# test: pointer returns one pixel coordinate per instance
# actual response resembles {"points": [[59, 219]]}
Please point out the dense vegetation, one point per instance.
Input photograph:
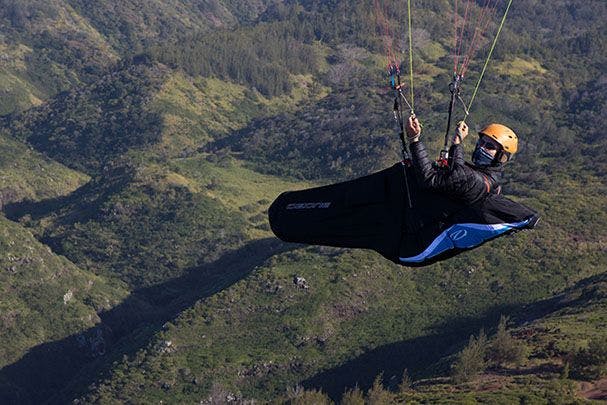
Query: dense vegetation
{"points": [[86, 128], [144, 227], [175, 109], [333, 138]]}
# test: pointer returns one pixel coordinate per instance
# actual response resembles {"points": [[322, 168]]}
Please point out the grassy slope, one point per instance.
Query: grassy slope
{"points": [[30, 68], [551, 330], [47, 47], [196, 111], [44, 297], [27, 175], [151, 208], [132, 24], [264, 334], [152, 217], [149, 229]]}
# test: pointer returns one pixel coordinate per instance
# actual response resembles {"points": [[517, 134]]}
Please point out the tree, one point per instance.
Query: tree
{"points": [[353, 397], [378, 395], [405, 383], [301, 396], [591, 362], [504, 348], [471, 360]]}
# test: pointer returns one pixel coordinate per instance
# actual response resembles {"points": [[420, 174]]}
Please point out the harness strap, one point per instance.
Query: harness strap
{"points": [[491, 185], [487, 184]]}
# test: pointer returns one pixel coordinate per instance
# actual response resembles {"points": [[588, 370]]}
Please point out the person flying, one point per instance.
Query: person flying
{"points": [[466, 182], [416, 212]]}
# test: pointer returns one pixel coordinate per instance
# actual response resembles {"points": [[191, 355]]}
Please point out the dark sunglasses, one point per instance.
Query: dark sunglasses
{"points": [[487, 143]]}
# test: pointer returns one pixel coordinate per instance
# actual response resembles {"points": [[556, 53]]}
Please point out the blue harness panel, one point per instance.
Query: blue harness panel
{"points": [[463, 236]]}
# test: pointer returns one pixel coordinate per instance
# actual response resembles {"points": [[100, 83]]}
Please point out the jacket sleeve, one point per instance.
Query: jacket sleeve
{"points": [[458, 180]]}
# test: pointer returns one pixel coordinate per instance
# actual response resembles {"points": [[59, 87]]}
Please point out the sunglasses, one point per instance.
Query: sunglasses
{"points": [[487, 144]]}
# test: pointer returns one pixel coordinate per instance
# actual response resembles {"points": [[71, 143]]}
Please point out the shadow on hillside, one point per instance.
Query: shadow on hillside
{"points": [[89, 197], [417, 354], [41, 375]]}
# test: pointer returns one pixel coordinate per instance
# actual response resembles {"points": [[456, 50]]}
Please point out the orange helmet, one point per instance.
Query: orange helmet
{"points": [[504, 136]]}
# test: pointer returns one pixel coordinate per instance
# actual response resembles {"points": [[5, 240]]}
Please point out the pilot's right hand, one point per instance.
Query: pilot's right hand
{"points": [[461, 132], [414, 129]]}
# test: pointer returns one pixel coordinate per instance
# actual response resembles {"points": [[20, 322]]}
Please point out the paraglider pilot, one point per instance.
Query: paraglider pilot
{"points": [[455, 207], [466, 182]]}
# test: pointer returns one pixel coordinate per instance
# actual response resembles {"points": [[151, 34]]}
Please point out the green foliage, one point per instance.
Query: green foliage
{"points": [[27, 175], [591, 362], [406, 382], [353, 396], [264, 56], [143, 219], [300, 396], [45, 297], [64, 51], [566, 371], [160, 21], [86, 128], [343, 135], [155, 219], [471, 360], [503, 348], [377, 394]]}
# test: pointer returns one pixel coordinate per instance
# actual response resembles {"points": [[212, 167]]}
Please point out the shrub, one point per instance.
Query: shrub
{"points": [[353, 397], [378, 395], [301, 396], [591, 362], [471, 360], [504, 348], [405, 383]]}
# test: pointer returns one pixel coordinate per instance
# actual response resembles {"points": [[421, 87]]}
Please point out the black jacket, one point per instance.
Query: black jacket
{"points": [[460, 180]]}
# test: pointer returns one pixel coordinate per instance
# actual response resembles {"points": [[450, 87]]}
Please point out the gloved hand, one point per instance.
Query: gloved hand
{"points": [[461, 132], [413, 129]]}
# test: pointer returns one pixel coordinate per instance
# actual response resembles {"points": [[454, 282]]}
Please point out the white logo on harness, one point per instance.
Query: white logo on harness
{"points": [[308, 206], [457, 235]]}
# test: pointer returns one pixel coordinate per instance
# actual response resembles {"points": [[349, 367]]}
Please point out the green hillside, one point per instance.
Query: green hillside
{"points": [[149, 205], [266, 320], [27, 175], [46, 47], [44, 297], [130, 25], [189, 118], [49, 46]]}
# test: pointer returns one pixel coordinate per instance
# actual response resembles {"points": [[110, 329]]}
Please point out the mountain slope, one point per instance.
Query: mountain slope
{"points": [[148, 206], [46, 47], [177, 210], [87, 127], [45, 297], [134, 23], [553, 331], [27, 175]]}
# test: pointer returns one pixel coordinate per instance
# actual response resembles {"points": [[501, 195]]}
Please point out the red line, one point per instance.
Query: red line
{"points": [[478, 31], [461, 36], [455, 38], [490, 11], [382, 21]]}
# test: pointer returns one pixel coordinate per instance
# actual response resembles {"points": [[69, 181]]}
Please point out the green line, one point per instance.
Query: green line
{"points": [[410, 54], [489, 56]]}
